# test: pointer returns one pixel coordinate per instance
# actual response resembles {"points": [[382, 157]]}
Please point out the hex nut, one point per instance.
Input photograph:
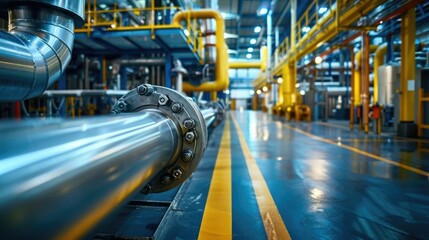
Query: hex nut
{"points": [[121, 105], [145, 90], [176, 107], [189, 123], [187, 155], [166, 179], [147, 189], [177, 173], [190, 137], [163, 100]]}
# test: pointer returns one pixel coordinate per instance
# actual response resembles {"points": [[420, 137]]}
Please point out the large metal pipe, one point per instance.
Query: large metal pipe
{"points": [[60, 178], [37, 48], [68, 175]]}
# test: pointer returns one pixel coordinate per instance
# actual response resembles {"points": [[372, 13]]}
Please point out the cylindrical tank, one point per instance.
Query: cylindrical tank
{"points": [[388, 78]]}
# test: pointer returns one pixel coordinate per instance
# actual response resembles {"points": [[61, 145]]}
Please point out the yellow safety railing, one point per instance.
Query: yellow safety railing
{"points": [[281, 51], [151, 18], [317, 10]]}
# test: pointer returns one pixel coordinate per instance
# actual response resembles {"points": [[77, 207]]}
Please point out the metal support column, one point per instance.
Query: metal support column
{"points": [[407, 126]]}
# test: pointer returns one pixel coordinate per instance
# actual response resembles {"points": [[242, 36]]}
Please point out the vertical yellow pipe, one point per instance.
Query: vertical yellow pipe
{"points": [[213, 96], [408, 66], [378, 61], [264, 57], [286, 86], [356, 74], [292, 82], [352, 88], [365, 81]]}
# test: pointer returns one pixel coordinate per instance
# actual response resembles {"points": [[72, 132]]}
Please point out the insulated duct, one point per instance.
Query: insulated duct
{"points": [[37, 48]]}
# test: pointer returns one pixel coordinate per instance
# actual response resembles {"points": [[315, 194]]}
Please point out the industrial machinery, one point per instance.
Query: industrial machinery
{"points": [[60, 178]]}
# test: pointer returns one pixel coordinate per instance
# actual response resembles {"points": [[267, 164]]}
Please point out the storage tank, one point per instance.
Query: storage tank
{"points": [[388, 82]]}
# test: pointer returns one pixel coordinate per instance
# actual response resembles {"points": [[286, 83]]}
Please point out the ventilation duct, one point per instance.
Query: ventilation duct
{"points": [[37, 48]]}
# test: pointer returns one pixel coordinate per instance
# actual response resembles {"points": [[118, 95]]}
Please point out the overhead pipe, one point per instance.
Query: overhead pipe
{"points": [[262, 64], [68, 175], [222, 79], [37, 48]]}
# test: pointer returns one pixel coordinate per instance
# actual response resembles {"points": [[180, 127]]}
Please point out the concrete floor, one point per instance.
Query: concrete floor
{"points": [[262, 177]]}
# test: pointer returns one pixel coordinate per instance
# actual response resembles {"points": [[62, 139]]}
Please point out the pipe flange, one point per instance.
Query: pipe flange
{"points": [[185, 114]]}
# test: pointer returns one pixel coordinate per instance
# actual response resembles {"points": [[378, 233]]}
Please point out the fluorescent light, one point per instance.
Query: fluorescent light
{"points": [[262, 11], [250, 49], [318, 60], [252, 41], [322, 10], [306, 29], [257, 29], [251, 92], [248, 56], [279, 80], [265, 88], [258, 91], [302, 92]]}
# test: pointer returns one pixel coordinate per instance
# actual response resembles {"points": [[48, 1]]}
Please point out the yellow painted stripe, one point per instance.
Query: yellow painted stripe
{"points": [[273, 222], [382, 134], [217, 217], [413, 169]]}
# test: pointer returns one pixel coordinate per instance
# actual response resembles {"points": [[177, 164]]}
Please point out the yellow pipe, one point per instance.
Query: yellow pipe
{"points": [[222, 79], [357, 74], [262, 64], [380, 53], [244, 65], [264, 57]]}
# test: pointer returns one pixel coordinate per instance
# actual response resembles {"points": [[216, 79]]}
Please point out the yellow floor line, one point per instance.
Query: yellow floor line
{"points": [[217, 217], [413, 169], [382, 134], [273, 222]]}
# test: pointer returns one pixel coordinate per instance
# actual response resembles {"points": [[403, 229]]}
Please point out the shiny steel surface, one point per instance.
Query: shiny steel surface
{"points": [[72, 7], [37, 48], [388, 78], [56, 174]]}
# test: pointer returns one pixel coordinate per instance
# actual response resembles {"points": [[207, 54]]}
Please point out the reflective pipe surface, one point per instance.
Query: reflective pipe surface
{"points": [[37, 48], [59, 178], [209, 115]]}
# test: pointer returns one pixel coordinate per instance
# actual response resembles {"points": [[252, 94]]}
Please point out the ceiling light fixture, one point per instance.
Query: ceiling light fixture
{"points": [[248, 56], [306, 29], [318, 60], [322, 10], [252, 41], [262, 11], [257, 29], [250, 49]]}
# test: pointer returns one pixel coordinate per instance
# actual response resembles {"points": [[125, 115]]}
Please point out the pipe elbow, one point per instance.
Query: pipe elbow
{"points": [[37, 50]]}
